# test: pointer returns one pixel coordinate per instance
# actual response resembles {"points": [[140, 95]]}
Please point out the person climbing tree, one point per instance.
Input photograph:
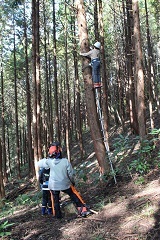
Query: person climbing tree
{"points": [[61, 179], [94, 55]]}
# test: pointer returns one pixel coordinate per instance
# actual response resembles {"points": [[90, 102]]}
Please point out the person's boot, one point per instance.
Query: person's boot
{"points": [[49, 211], [83, 211], [43, 210]]}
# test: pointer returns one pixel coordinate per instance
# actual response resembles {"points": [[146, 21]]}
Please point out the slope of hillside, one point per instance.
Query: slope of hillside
{"points": [[126, 210]]}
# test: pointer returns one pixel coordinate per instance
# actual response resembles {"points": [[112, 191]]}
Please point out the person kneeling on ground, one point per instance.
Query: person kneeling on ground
{"points": [[61, 179]]}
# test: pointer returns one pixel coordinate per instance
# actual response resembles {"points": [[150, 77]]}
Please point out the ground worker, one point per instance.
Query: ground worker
{"points": [[94, 55], [46, 195], [61, 179]]}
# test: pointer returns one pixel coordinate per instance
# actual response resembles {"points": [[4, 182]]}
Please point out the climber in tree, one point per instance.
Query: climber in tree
{"points": [[94, 55]]}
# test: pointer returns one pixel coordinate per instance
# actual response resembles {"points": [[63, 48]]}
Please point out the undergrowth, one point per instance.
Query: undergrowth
{"points": [[130, 156]]}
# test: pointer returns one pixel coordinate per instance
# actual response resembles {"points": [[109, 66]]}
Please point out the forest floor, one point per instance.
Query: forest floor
{"points": [[127, 210]]}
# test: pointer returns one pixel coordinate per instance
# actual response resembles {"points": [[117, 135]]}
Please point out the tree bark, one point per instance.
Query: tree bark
{"points": [[4, 159], [36, 83], [129, 68], [2, 191], [78, 115], [16, 110], [56, 117], [90, 99], [67, 128], [138, 71], [29, 112]]}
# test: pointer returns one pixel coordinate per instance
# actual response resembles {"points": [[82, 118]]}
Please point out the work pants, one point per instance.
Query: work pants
{"points": [[96, 70], [56, 200], [46, 199]]}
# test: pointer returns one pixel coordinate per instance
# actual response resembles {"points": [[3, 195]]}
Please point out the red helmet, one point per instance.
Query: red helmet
{"points": [[54, 151]]}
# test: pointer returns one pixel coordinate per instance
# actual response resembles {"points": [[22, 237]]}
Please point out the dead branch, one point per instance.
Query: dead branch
{"points": [[17, 191]]}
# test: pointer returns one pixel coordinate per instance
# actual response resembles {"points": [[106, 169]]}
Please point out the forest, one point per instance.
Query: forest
{"points": [[111, 135]]}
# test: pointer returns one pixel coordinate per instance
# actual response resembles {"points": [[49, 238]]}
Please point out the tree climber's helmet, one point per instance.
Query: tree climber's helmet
{"points": [[97, 45]]}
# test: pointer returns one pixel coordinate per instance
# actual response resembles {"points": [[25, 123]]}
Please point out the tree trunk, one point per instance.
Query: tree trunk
{"points": [[138, 72], [48, 119], [29, 112], [16, 110], [2, 191], [67, 92], [104, 73], [129, 68], [90, 99], [96, 31], [36, 82], [150, 72], [78, 116], [56, 117], [4, 159]]}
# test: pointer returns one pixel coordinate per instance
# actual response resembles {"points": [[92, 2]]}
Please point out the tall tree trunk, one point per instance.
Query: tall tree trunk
{"points": [[150, 73], [8, 151], [36, 82], [105, 110], [78, 116], [129, 68], [31, 169], [67, 93], [2, 190], [4, 159], [104, 72], [90, 99], [117, 87], [96, 26], [35, 139], [138, 72], [16, 109], [48, 94], [56, 117]]}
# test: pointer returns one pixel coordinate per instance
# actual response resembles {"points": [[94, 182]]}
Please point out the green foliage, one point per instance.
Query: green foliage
{"points": [[121, 144], [22, 200], [155, 131], [7, 209], [143, 159], [140, 180], [28, 200], [3, 228], [140, 166], [142, 163], [99, 237]]}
